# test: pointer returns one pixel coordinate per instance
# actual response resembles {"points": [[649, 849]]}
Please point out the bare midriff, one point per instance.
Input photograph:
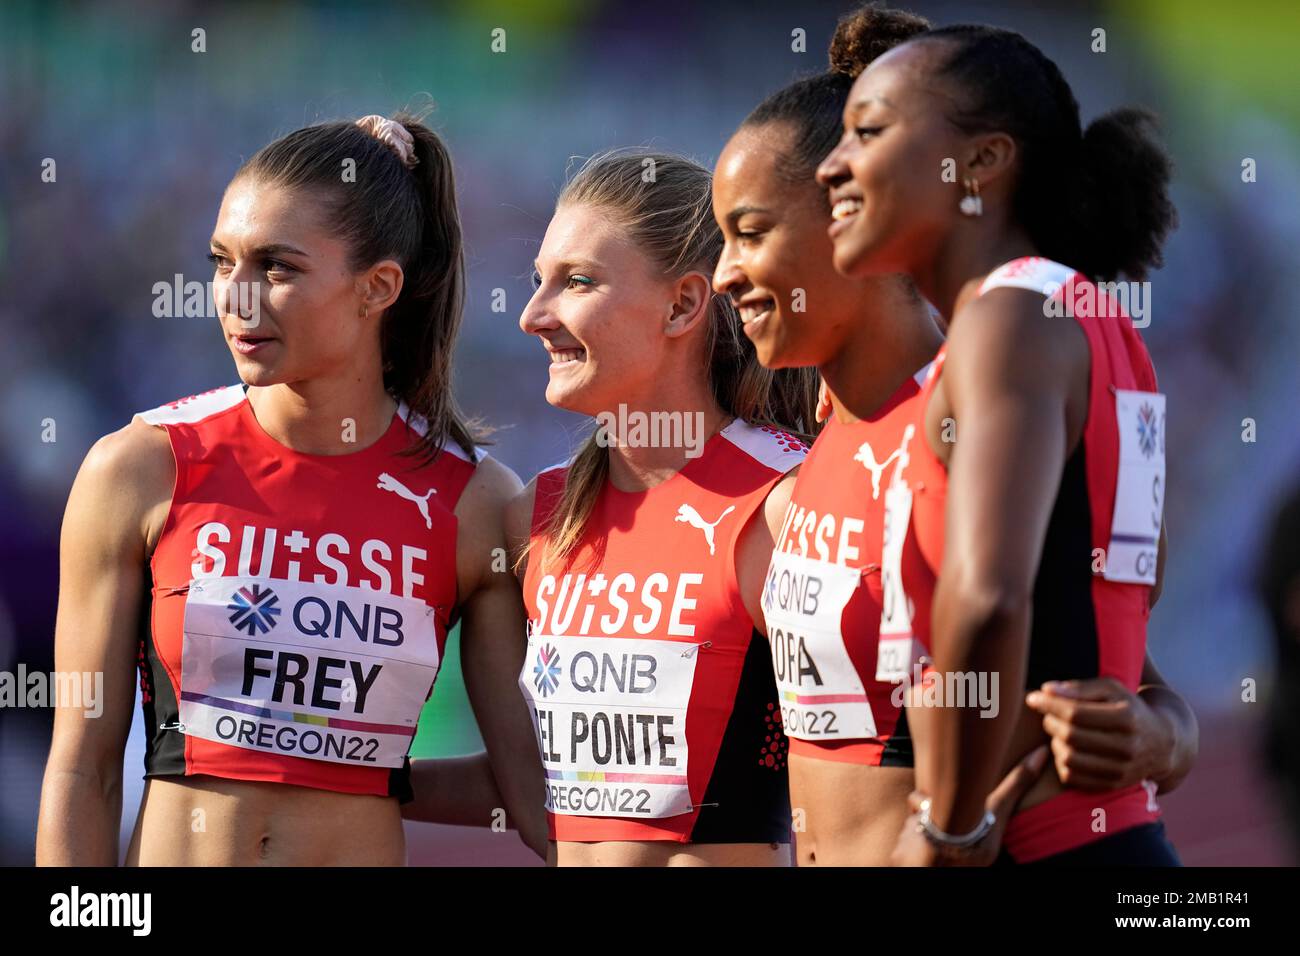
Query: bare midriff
{"points": [[212, 821]]}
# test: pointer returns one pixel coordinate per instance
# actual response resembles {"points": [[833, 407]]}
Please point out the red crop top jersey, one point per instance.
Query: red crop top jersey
{"points": [[650, 688], [823, 595], [1092, 591], [299, 603]]}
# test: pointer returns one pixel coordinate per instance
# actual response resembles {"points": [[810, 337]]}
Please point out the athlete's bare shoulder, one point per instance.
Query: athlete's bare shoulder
{"points": [[491, 488], [481, 544], [128, 474], [1011, 323], [778, 500], [519, 523], [519, 511]]}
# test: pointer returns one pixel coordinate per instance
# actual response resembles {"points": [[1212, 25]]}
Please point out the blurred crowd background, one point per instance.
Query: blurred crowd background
{"points": [[146, 133]]}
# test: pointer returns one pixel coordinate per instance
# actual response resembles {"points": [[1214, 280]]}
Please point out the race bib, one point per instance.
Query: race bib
{"points": [[1139, 488], [610, 719], [822, 697], [899, 650], [326, 672]]}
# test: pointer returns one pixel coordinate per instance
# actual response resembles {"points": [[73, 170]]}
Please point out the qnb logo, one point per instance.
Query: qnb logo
{"points": [[388, 483], [692, 517], [253, 609], [546, 671], [1148, 429]]}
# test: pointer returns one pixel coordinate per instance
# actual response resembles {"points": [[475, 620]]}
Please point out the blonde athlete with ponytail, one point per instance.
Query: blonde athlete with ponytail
{"points": [[643, 557]]}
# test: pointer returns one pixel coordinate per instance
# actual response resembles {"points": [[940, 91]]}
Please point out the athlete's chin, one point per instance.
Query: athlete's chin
{"points": [[570, 396], [773, 350], [856, 256], [776, 341], [260, 374]]}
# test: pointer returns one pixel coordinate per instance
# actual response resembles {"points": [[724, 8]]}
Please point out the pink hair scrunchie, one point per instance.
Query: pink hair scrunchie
{"points": [[393, 135]]}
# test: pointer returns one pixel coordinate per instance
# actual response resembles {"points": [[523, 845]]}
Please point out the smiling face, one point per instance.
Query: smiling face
{"points": [[271, 247], [890, 204], [600, 308], [776, 265]]}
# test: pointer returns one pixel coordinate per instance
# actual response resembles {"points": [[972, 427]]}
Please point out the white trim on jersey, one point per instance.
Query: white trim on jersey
{"points": [[763, 445], [420, 426], [1032, 272], [922, 374], [558, 465], [195, 408]]}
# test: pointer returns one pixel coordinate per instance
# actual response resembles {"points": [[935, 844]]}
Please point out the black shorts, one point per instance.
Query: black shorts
{"points": [[1146, 845]]}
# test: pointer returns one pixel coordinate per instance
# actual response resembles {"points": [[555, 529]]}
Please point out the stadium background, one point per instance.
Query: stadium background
{"points": [[146, 134]]}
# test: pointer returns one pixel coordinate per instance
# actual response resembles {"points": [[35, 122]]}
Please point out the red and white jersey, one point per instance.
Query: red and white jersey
{"points": [[650, 689], [823, 595], [299, 603], [1092, 591]]}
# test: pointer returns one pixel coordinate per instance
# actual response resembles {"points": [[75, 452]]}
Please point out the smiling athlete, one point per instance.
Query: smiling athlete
{"points": [[1038, 439], [871, 339], [643, 557]]}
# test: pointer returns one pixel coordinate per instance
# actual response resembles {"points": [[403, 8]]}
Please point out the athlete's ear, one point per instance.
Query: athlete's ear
{"points": [[379, 287], [989, 158], [691, 306]]}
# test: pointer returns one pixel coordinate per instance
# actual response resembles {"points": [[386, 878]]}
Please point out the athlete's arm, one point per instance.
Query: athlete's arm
{"points": [[115, 512], [460, 791], [493, 641], [1009, 378], [1172, 762], [1105, 737], [754, 548], [1162, 553]]}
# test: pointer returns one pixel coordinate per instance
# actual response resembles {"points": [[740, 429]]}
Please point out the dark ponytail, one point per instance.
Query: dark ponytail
{"points": [[1096, 201], [814, 105], [390, 211], [1122, 196]]}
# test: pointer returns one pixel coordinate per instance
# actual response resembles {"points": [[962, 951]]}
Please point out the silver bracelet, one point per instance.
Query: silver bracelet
{"points": [[947, 841]]}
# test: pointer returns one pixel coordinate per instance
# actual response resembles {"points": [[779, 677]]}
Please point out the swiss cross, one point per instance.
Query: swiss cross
{"points": [[596, 584], [297, 542]]}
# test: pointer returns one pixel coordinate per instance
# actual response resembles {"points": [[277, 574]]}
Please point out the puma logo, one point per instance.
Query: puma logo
{"points": [[868, 459], [692, 517], [388, 483]]}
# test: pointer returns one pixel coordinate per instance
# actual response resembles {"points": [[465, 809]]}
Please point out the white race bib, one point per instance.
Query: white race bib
{"points": [[610, 719], [326, 672], [1139, 488], [822, 696], [899, 650]]}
